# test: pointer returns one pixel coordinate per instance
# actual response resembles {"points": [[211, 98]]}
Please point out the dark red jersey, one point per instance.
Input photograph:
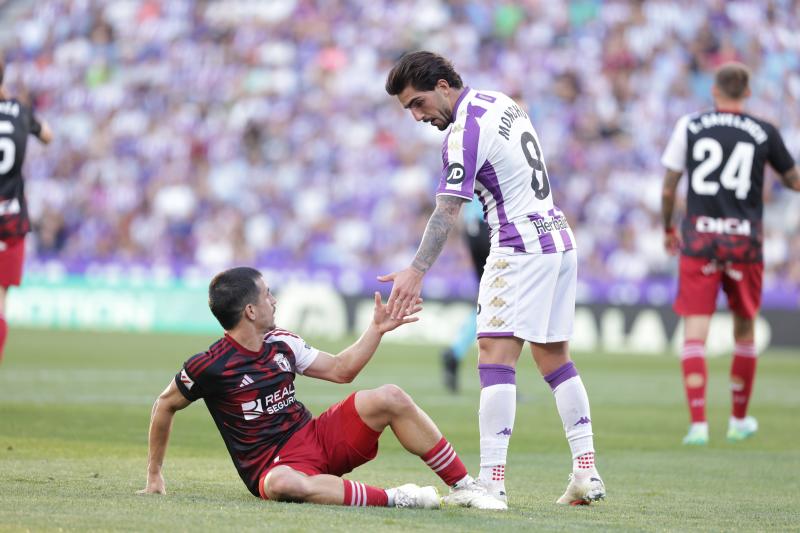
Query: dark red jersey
{"points": [[250, 396], [16, 123], [724, 154]]}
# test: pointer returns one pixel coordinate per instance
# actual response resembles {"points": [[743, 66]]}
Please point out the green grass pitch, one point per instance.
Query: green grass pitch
{"points": [[74, 412]]}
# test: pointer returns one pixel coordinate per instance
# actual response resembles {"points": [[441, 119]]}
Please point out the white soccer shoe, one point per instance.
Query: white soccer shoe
{"points": [[741, 428], [697, 435], [411, 496], [496, 490], [473, 494], [583, 490]]}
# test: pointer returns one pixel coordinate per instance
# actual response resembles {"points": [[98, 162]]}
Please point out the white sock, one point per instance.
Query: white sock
{"points": [[573, 407], [498, 407], [390, 495]]}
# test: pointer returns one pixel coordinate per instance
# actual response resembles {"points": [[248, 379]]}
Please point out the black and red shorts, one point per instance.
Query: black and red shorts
{"points": [[336, 442], [700, 279]]}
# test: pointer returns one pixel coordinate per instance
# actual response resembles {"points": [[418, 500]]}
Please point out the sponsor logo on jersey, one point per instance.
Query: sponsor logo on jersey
{"points": [[722, 226], [283, 363], [455, 173], [544, 225], [9, 207], [269, 404]]}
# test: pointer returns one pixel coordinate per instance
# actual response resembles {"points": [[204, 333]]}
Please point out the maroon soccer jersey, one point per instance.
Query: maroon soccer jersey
{"points": [[724, 154], [250, 396], [16, 123]]}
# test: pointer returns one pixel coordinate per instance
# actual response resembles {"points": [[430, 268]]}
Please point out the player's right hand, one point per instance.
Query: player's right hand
{"points": [[672, 241], [155, 485]]}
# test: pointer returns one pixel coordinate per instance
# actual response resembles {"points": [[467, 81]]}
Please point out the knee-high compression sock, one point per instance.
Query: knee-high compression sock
{"points": [[695, 375], [444, 461], [3, 333], [360, 495], [572, 403], [743, 373], [498, 408]]}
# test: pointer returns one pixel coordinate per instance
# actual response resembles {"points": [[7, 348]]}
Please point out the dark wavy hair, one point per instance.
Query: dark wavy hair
{"points": [[230, 292], [421, 70]]}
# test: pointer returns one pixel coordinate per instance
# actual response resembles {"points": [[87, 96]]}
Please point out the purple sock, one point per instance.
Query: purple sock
{"points": [[561, 374], [496, 375]]}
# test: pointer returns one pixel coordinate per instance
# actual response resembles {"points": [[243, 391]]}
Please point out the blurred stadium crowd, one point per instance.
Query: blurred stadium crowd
{"points": [[225, 132]]}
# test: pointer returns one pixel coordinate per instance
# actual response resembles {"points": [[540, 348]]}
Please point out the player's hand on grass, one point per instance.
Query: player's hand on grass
{"points": [[672, 241], [405, 291], [155, 485], [384, 322]]}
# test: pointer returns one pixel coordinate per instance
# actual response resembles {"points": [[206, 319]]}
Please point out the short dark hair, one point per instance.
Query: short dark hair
{"points": [[732, 79], [230, 292], [421, 70]]}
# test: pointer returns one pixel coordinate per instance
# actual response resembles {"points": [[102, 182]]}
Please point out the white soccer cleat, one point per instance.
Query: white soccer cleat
{"points": [[411, 496], [697, 435], [472, 494], [583, 490], [496, 490], [742, 428]]}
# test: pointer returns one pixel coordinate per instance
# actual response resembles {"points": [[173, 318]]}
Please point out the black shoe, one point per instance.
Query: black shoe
{"points": [[450, 368]]}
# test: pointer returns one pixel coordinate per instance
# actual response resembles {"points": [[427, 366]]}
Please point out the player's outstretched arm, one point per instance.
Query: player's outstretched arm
{"points": [[672, 240], [345, 366], [791, 178], [167, 404], [408, 283]]}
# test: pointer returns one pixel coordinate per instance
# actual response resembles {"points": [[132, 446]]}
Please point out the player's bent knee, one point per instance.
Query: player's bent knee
{"points": [[286, 485], [395, 399]]}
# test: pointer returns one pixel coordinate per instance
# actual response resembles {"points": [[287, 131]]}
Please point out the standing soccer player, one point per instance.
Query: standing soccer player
{"points": [[527, 292], [17, 121], [723, 151]]}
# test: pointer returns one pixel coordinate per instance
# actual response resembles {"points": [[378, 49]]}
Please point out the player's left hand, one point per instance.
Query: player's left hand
{"points": [[384, 322], [405, 291]]}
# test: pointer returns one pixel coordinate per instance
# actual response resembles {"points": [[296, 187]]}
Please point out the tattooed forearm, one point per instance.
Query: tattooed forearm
{"points": [[668, 196], [444, 217], [792, 178]]}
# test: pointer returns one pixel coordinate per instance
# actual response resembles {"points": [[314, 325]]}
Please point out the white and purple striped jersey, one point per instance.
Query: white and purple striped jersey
{"points": [[493, 151]]}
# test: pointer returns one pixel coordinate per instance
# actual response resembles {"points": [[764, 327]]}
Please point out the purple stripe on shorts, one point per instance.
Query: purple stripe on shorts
{"points": [[509, 236], [561, 374], [495, 334], [496, 375]]}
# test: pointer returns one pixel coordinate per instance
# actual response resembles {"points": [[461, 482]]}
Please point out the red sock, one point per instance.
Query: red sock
{"points": [[695, 375], [360, 495], [443, 460], [3, 332], [743, 372]]}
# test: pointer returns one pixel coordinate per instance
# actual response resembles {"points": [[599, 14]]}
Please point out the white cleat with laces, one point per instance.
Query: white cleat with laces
{"points": [[583, 489], [411, 496], [470, 493]]}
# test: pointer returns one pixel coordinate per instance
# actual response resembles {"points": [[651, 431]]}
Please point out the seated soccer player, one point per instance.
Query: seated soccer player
{"points": [[280, 451]]}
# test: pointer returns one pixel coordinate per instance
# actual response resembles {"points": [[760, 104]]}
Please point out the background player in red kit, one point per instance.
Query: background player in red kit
{"points": [[17, 121], [723, 151], [281, 453]]}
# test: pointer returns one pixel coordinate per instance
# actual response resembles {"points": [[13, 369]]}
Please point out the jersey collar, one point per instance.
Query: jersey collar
{"points": [[239, 347], [458, 103]]}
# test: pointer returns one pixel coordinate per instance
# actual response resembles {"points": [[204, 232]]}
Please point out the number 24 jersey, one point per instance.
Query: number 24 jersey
{"points": [[724, 154]]}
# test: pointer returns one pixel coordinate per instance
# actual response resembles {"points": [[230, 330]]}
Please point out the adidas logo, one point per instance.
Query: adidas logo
{"points": [[246, 380]]}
